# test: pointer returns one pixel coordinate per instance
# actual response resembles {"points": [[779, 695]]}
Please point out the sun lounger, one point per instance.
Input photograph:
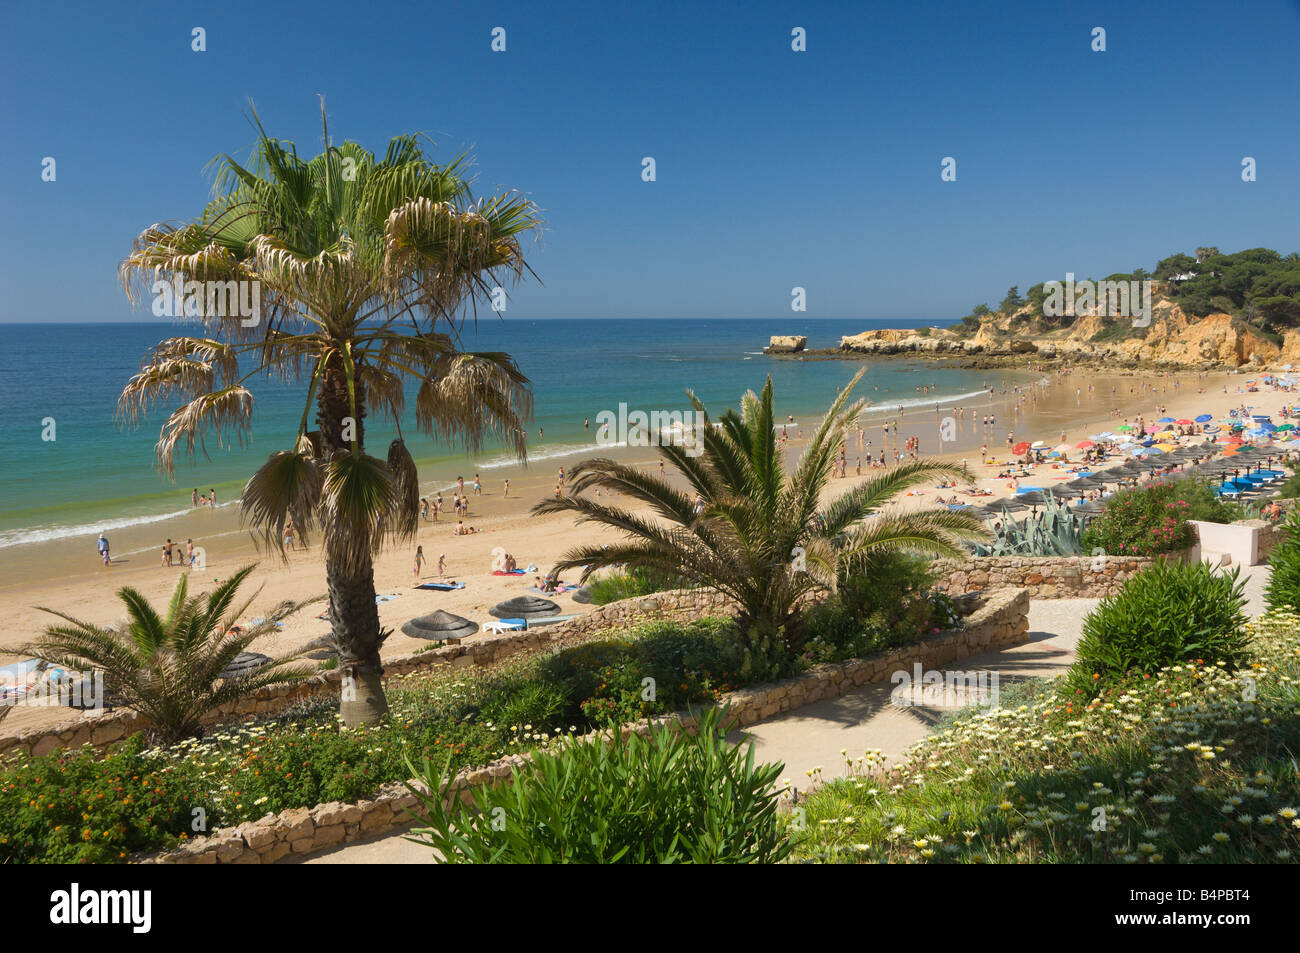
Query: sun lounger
{"points": [[505, 625]]}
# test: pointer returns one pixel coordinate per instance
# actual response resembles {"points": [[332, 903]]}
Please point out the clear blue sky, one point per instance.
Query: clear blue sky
{"points": [[775, 168]]}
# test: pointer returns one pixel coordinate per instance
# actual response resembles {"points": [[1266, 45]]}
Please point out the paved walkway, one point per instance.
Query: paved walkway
{"points": [[814, 735]]}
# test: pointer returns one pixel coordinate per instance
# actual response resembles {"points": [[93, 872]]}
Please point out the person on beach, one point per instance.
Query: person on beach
{"points": [[189, 554], [424, 509], [460, 484], [289, 534], [463, 530], [194, 497], [167, 553], [419, 561], [437, 506], [507, 492], [478, 487], [102, 545], [561, 476], [442, 565]]}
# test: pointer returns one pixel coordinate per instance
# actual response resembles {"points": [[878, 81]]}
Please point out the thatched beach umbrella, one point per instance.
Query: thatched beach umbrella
{"points": [[440, 626], [524, 607], [243, 664]]}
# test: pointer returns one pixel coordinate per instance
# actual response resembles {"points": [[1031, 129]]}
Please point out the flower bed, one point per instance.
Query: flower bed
{"points": [[290, 763], [1190, 764]]}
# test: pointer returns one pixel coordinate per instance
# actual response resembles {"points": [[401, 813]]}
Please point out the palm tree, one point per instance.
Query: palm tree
{"points": [[761, 536], [169, 668], [357, 260]]}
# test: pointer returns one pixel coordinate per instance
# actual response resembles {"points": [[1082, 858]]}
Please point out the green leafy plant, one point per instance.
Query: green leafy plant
{"points": [[1283, 590], [761, 534], [635, 581], [1146, 521], [169, 667], [1168, 613], [668, 797], [1052, 531]]}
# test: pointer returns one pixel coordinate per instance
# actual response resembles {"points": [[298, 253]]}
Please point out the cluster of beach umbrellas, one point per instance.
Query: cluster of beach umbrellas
{"points": [[1192, 460]]}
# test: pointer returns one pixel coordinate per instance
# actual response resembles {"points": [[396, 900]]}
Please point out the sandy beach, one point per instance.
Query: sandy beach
{"points": [[66, 575]]}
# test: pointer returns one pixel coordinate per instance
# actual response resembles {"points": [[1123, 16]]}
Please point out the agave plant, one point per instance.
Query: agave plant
{"points": [[1054, 531], [170, 667], [763, 536], [359, 262]]}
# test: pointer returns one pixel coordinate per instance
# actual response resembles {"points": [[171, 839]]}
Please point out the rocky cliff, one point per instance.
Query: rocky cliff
{"points": [[1173, 340]]}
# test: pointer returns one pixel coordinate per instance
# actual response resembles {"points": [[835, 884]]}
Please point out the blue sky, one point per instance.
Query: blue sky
{"points": [[774, 168]]}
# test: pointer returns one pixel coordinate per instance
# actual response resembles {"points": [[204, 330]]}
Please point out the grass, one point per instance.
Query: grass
{"points": [[1195, 764]]}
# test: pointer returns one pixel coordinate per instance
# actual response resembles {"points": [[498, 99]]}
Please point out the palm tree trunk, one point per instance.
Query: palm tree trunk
{"points": [[355, 620], [354, 617]]}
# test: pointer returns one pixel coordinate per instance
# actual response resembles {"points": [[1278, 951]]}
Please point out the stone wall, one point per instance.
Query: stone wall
{"points": [[1044, 577], [1003, 620], [103, 728]]}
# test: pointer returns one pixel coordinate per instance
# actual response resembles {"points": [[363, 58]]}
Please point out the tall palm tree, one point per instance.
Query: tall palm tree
{"points": [[359, 261], [762, 536], [170, 668]]}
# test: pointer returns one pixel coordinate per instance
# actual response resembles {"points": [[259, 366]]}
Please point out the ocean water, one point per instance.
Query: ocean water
{"points": [[96, 475]]}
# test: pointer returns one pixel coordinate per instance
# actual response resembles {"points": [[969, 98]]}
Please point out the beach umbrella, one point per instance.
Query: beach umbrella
{"points": [[1124, 427], [1020, 448], [1031, 498], [1184, 422], [1063, 449], [243, 664], [439, 626], [1084, 445], [322, 648], [1285, 427], [524, 607], [1165, 420], [1204, 418], [1152, 428]]}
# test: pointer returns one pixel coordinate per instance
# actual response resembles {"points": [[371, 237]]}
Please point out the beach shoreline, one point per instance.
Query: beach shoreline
{"points": [[66, 575]]}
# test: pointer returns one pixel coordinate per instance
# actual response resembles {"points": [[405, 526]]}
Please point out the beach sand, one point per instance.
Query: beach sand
{"points": [[67, 575]]}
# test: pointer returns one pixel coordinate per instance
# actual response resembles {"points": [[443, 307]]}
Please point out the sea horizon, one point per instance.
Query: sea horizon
{"points": [[96, 476]]}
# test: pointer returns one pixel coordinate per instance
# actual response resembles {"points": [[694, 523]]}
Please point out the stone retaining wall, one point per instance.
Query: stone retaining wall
{"points": [[294, 834], [103, 728], [1045, 577]]}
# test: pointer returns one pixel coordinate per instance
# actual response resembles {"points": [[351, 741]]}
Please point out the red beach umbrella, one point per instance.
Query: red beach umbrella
{"points": [[1084, 445], [1020, 447]]}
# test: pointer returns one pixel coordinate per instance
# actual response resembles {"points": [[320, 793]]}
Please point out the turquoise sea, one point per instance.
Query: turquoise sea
{"points": [[95, 475]]}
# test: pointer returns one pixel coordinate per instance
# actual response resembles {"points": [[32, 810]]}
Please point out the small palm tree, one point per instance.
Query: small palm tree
{"points": [[360, 261], [761, 536], [169, 668]]}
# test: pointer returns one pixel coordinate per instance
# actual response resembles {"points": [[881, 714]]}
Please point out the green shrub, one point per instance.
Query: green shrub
{"points": [[1283, 590], [1290, 488], [632, 582], [665, 798], [1169, 613], [880, 605], [1142, 522]]}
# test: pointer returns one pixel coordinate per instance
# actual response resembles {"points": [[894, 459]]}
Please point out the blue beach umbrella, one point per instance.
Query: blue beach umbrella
{"points": [[1165, 420], [1204, 419]]}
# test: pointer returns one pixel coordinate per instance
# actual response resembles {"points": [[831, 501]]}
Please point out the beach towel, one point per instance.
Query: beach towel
{"points": [[512, 572], [441, 586], [559, 590]]}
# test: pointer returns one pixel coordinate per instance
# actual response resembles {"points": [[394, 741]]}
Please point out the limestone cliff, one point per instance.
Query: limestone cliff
{"points": [[1173, 340]]}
